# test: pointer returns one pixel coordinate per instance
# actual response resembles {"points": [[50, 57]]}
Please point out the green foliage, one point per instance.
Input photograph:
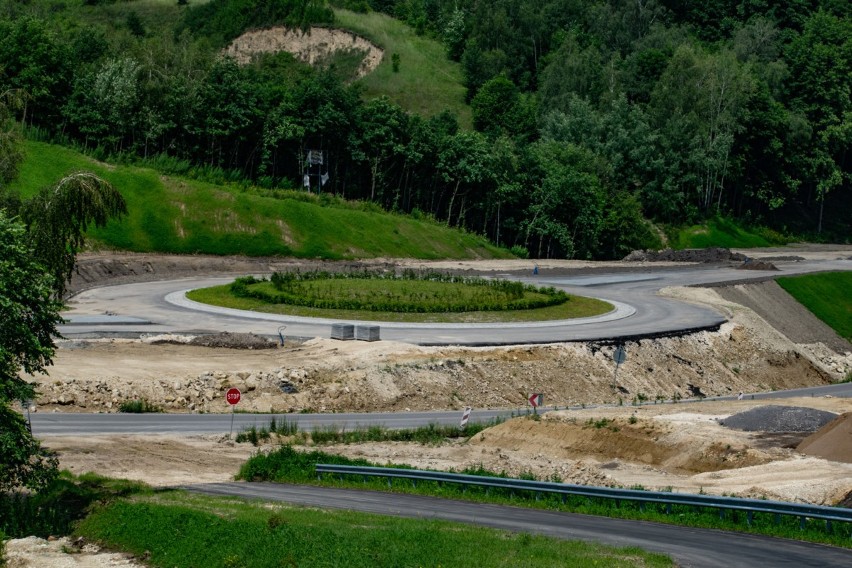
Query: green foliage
{"points": [[288, 463], [428, 84], [57, 507], [227, 19], [722, 232], [139, 406], [166, 214], [30, 316], [176, 529], [406, 293], [674, 113], [827, 296], [59, 215]]}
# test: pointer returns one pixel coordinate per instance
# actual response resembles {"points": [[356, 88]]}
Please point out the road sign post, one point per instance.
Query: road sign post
{"points": [[232, 397], [536, 399], [465, 417], [620, 356]]}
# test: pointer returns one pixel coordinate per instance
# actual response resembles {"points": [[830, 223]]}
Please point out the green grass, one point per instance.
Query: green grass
{"points": [[431, 434], [722, 232], [173, 215], [182, 530], [575, 307], [828, 296], [287, 465], [427, 82], [139, 406], [55, 509]]}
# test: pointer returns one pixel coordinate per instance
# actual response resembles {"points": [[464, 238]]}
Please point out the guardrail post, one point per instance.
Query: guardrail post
{"points": [[801, 523], [721, 514], [668, 508], [777, 518], [642, 506], [749, 517], [828, 526]]}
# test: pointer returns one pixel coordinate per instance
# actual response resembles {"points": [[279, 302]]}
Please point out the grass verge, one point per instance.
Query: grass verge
{"points": [[725, 233], [288, 465], [827, 295], [575, 307], [178, 530], [175, 215], [432, 434]]}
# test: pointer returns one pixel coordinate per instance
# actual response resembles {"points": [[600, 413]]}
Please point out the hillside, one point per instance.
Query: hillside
{"points": [[592, 127], [174, 215]]}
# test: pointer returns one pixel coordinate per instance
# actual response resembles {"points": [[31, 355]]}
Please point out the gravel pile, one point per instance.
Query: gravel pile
{"points": [[234, 341], [779, 419]]}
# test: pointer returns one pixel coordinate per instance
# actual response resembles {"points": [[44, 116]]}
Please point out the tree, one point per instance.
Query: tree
{"points": [[58, 216], [30, 316]]}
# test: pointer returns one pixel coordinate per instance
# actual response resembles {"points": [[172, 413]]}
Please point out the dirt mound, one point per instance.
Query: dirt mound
{"points": [[660, 444], [233, 341], [687, 255], [779, 419], [832, 442], [312, 47], [750, 264]]}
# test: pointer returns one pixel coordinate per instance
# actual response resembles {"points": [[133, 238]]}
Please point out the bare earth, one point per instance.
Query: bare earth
{"points": [[681, 446]]}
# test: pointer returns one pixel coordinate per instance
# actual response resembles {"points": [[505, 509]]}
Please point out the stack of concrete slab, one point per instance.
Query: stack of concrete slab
{"points": [[367, 332], [342, 331]]}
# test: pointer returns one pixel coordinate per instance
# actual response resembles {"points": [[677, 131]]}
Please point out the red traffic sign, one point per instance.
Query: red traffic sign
{"points": [[536, 399], [233, 395]]}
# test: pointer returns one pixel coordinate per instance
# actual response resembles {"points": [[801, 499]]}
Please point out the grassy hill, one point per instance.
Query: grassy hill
{"points": [[427, 82], [827, 296], [175, 215]]}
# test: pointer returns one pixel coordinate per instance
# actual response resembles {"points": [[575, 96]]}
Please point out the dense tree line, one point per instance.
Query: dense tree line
{"points": [[588, 116]]}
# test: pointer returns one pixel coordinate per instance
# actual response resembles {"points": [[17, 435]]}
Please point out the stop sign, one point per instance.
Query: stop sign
{"points": [[233, 395]]}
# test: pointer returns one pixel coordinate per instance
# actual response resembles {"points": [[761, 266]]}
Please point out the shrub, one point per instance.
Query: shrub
{"points": [[139, 406]]}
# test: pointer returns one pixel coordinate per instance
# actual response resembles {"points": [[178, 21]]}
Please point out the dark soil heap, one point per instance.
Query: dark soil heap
{"points": [[779, 419]]}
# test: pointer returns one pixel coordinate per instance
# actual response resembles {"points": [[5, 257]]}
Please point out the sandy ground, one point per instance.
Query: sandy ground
{"points": [[312, 47]]}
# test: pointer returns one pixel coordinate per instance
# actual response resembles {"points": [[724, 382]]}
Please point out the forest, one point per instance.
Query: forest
{"points": [[594, 122]]}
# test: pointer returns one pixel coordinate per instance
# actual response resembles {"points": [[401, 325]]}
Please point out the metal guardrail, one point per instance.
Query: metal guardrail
{"points": [[750, 506]]}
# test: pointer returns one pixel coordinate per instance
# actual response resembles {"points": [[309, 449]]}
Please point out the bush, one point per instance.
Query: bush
{"points": [[139, 406], [317, 290], [54, 510]]}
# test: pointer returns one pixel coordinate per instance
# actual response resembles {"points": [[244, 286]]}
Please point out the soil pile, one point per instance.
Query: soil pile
{"points": [[832, 442], [750, 264], [233, 341], [687, 255], [779, 419]]}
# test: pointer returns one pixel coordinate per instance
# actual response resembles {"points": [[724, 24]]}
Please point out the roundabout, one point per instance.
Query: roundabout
{"points": [[641, 310]]}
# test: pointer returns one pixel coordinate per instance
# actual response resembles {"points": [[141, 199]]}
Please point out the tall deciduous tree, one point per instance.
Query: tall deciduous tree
{"points": [[58, 216], [30, 316]]}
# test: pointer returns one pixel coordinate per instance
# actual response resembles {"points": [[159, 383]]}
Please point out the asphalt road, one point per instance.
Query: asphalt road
{"points": [[699, 548], [70, 424], [159, 307]]}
